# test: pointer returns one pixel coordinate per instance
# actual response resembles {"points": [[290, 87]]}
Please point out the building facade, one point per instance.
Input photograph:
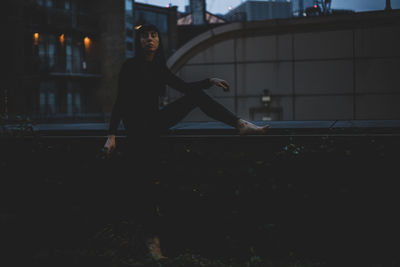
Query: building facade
{"points": [[260, 10], [300, 7], [62, 57], [54, 66]]}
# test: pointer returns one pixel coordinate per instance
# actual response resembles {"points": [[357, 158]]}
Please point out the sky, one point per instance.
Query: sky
{"points": [[222, 6]]}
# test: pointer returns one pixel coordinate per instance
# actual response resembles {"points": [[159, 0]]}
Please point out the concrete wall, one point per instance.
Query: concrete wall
{"points": [[342, 67]]}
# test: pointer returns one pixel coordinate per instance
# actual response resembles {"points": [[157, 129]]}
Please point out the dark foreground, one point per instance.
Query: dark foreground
{"points": [[316, 196]]}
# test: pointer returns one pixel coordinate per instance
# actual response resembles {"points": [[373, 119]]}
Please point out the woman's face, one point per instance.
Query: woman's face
{"points": [[149, 41]]}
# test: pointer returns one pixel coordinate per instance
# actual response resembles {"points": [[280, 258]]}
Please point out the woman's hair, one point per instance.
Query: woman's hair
{"points": [[159, 56]]}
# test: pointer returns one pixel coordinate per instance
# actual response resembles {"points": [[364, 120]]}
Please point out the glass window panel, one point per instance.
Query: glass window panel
{"points": [[42, 101], [42, 51], [128, 5], [129, 32], [69, 104], [77, 103], [52, 50], [68, 51], [52, 102], [129, 46]]}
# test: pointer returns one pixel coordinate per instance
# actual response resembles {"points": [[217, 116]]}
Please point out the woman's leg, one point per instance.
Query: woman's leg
{"points": [[176, 111]]}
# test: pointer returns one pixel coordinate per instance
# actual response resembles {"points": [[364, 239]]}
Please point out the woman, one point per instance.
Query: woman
{"points": [[142, 81]]}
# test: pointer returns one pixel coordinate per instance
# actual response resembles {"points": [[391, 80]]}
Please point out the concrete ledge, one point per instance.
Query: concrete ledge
{"points": [[326, 127]]}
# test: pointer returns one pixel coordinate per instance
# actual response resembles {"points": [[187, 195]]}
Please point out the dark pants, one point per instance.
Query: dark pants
{"points": [[142, 163], [176, 111]]}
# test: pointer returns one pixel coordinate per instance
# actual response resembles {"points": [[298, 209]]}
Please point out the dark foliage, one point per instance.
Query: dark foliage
{"points": [[277, 201]]}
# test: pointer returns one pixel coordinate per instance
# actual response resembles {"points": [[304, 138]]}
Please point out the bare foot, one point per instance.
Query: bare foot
{"points": [[153, 246], [245, 127]]}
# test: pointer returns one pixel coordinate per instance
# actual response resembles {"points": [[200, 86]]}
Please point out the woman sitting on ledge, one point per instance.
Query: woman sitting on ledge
{"points": [[142, 80]]}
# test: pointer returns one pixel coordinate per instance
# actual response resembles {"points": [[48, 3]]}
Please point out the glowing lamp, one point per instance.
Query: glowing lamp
{"points": [[87, 41], [36, 38], [62, 38]]}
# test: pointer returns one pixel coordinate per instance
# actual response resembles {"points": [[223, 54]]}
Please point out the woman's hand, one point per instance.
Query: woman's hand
{"points": [[221, 83], [110, 144]]}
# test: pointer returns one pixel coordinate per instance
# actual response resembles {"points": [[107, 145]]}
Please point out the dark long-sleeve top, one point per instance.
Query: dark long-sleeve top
{"points": [[140, 85]]}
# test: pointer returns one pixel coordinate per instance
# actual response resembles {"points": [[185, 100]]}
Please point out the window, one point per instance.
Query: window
{"points": [[128, 5], [73, 103], [129, 46], [47, 98], [68, 52], [52, 50], [129, 32]]}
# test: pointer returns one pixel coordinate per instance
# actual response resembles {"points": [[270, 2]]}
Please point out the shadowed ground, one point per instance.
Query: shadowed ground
{"points": [[309, 192]]}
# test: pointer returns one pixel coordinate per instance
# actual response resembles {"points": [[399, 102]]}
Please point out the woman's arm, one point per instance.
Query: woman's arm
{"points": [[182, 86]]}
